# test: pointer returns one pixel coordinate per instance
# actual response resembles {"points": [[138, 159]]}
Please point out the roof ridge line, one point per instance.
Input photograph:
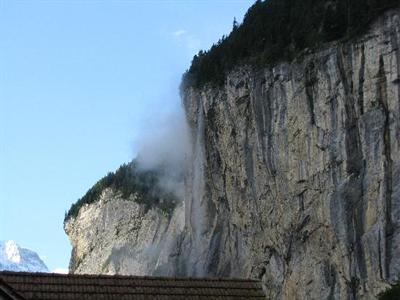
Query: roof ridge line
{"points": [[117, 276]]}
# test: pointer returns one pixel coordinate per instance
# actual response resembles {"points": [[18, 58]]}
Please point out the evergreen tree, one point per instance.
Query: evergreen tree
{"points": [[276, 30], [235, 24]]}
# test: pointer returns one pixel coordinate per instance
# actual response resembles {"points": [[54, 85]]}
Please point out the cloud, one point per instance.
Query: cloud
{"points": [[165, 143], [60, 271], [188, 40], [179, 32], [165, 140]]}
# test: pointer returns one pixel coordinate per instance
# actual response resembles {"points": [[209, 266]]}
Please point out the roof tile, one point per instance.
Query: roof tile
{"points": [[48, 286]]}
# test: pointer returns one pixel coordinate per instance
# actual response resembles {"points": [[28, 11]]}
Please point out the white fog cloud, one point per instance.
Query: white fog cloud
{"points": [[60, 271], [165, 143], [179, 32], [192, 43]]}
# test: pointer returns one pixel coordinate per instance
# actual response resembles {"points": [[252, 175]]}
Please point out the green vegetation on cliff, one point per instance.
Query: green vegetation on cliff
{"points": [[130, 180], [391, 294], [276, 30]]}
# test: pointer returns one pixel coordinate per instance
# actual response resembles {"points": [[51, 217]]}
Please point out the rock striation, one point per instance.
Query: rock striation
{"points": [[301, 170], [294, 179], [120, 236]]}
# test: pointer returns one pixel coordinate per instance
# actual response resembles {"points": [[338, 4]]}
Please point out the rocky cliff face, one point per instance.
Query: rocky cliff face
{"points": [[294, 179], [119, 236], [301, 170]]}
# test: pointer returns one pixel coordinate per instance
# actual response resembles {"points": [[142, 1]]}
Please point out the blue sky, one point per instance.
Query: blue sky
{"points": [[79, 81]]}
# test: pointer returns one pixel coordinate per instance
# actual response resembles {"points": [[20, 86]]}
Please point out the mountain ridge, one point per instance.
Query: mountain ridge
{"points": [[15, 258]]}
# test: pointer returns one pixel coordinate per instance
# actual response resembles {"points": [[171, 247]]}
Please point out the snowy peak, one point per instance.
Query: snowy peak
{"points": [[11, 252], [15, 258]]}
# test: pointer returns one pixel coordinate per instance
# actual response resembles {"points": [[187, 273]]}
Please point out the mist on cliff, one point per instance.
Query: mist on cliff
{"points": [[164, 145]]}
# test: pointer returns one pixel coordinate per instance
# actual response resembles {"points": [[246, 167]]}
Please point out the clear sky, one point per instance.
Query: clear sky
{"points": [[79, 81]]}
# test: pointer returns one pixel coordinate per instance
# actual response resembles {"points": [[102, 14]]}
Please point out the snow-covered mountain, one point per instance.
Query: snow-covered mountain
{"points": [[15, 258]]}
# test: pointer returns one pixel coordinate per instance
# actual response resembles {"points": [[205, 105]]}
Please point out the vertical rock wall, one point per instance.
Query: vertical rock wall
{"points": [[294, 179], [119, 236], [301, 166]]}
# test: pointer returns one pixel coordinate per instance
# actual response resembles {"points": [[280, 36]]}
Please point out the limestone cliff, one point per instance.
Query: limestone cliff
{"points": [[301, 171], [294, 179], [120, 236]]}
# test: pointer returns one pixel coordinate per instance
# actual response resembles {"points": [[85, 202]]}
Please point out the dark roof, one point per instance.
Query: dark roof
{"points": [[7, 292], [71, 287]]}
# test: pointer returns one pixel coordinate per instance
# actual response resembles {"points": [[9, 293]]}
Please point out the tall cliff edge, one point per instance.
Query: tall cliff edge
{"points": [[301, 170], [294, 179]]}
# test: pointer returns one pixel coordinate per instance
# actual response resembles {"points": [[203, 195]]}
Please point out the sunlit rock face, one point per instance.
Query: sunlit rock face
{"points": [[119, 236], [293, 178], [301, 171]]}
